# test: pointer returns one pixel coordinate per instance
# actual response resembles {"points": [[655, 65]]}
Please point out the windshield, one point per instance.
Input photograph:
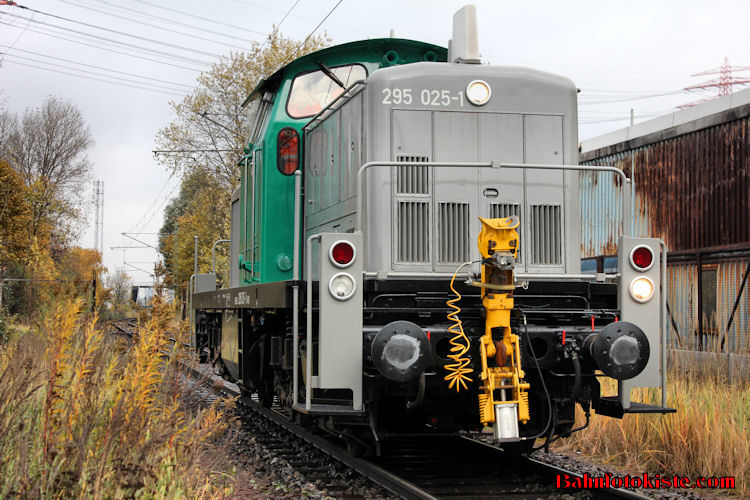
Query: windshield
{"points": [[312, 91]]}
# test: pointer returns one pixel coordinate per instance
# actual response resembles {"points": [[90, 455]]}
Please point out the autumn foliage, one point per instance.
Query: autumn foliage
{"points": [[212, 125], [85, 415]]}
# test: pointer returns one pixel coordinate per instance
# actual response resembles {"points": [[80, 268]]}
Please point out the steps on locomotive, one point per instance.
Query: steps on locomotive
{"points": [[611, 406], [330, 408]]}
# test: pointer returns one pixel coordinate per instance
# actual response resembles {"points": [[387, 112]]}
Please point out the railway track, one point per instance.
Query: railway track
{"points": [[125, 326], [433, 467], [429, 467]]}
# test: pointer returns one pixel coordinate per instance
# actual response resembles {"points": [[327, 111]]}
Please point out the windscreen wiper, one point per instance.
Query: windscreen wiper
{"points": [[327, 71]]}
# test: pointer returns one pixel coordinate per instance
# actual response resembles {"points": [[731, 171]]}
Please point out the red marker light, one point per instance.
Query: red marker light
{"points": [[592, 323], [342, 253], [563, 337], [642, 258]]}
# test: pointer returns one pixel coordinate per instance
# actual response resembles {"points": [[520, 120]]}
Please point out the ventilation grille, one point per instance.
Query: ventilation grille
{"points": [[454, 232], [413, 232], [412, 179], [503, 210], [545, 234]]}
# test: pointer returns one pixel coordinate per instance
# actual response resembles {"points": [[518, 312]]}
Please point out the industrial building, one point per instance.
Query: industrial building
{"points": [[691, 171]]}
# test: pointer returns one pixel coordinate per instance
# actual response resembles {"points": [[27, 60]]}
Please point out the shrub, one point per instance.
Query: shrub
{"points": [[85, 415]]}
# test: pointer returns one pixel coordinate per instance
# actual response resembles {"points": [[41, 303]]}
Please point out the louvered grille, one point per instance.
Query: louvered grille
{"points": [[502, 210], [412, 179], [454, 232], [413, 232], [545, 234]]}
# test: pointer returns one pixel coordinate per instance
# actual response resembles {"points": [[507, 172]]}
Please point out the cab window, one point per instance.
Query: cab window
{"points": [[312, 91]]}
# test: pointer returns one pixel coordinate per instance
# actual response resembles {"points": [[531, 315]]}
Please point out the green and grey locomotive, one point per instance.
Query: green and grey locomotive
{"points": [[406, 252]]}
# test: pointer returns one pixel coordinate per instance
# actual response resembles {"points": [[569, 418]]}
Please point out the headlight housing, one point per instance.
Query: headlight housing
{"points": [[342, 286], [478, 92], [641, 289]]}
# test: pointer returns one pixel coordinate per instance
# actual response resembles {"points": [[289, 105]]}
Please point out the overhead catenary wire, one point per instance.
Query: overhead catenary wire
{"points": [[144, 23], [146, 84], [98, 67], [175, 56], [117, 32], [18, 38], [312, 32], [153, 203], [141, 57], [281, 11], [202, 18], [175, 22], [174, 93]]}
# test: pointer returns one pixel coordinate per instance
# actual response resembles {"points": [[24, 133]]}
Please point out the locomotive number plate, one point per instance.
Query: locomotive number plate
{"points": [[427, 97]]}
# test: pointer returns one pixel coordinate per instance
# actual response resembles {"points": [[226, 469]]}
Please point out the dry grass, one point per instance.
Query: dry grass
{"points": [[83, 415], [708, 436]]}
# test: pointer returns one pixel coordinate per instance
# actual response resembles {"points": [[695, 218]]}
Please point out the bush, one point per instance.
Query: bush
{"points": [[708, 436], [85, 415]]}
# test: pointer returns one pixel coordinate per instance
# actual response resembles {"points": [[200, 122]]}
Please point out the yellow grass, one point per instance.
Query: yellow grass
{"points": [[83, 415], [708, 436]]}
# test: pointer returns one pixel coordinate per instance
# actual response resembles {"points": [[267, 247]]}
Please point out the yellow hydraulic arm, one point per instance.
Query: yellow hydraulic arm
{"points": [[505, 399]]}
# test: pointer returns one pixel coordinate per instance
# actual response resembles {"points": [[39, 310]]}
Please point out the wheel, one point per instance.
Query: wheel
{"points": [[357, 448], [265, 394]]}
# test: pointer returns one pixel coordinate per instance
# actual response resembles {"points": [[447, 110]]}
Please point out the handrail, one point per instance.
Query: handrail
{"points": [[495, 164], [295, 286], [213, 254], [315, 120], [309, 346]]}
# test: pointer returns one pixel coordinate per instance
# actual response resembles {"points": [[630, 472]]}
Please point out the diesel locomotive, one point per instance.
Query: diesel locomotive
{"points": [[406, 247]]}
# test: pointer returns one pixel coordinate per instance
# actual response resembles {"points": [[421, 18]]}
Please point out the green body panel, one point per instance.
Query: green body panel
{"points": [[274, 201]]}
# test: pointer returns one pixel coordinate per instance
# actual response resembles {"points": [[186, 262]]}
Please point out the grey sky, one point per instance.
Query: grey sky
{"points": [[614, 51]]}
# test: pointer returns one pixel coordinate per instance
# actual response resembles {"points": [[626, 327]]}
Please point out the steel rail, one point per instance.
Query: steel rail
{"points": [[381, 476], [616, 492]]}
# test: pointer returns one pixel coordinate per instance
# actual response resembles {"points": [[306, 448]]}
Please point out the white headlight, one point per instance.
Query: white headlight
{"points": [[642, 289], [478, 92], [342, 286]]}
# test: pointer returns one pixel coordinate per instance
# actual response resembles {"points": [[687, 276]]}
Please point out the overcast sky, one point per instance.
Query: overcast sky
{"points": [[622, 54]]}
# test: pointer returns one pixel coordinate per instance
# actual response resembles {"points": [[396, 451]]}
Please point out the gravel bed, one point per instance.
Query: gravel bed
{"points": [[270, 462], [582, 465]]}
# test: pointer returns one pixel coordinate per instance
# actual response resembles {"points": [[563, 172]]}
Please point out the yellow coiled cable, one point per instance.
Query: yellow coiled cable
{"points": [[460, 343]]}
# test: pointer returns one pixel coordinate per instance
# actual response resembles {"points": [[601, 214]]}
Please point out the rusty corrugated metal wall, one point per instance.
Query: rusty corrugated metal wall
{"points": [[682, 296], [693, 191]]}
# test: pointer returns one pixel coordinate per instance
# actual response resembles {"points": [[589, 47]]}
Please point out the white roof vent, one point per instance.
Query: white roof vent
{"points": [[464, 46]]}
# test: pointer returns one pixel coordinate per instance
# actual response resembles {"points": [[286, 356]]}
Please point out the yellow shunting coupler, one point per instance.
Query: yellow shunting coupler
{"points": [[505, 400]]}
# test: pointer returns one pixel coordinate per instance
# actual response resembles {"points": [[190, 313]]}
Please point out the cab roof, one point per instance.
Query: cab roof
{"points": [[388, 51]]}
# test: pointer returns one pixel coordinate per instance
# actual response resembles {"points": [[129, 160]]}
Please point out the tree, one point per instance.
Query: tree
{"points": [[15, 215], [118, 284], [211, 119], [211, 122], [47, 147]]}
